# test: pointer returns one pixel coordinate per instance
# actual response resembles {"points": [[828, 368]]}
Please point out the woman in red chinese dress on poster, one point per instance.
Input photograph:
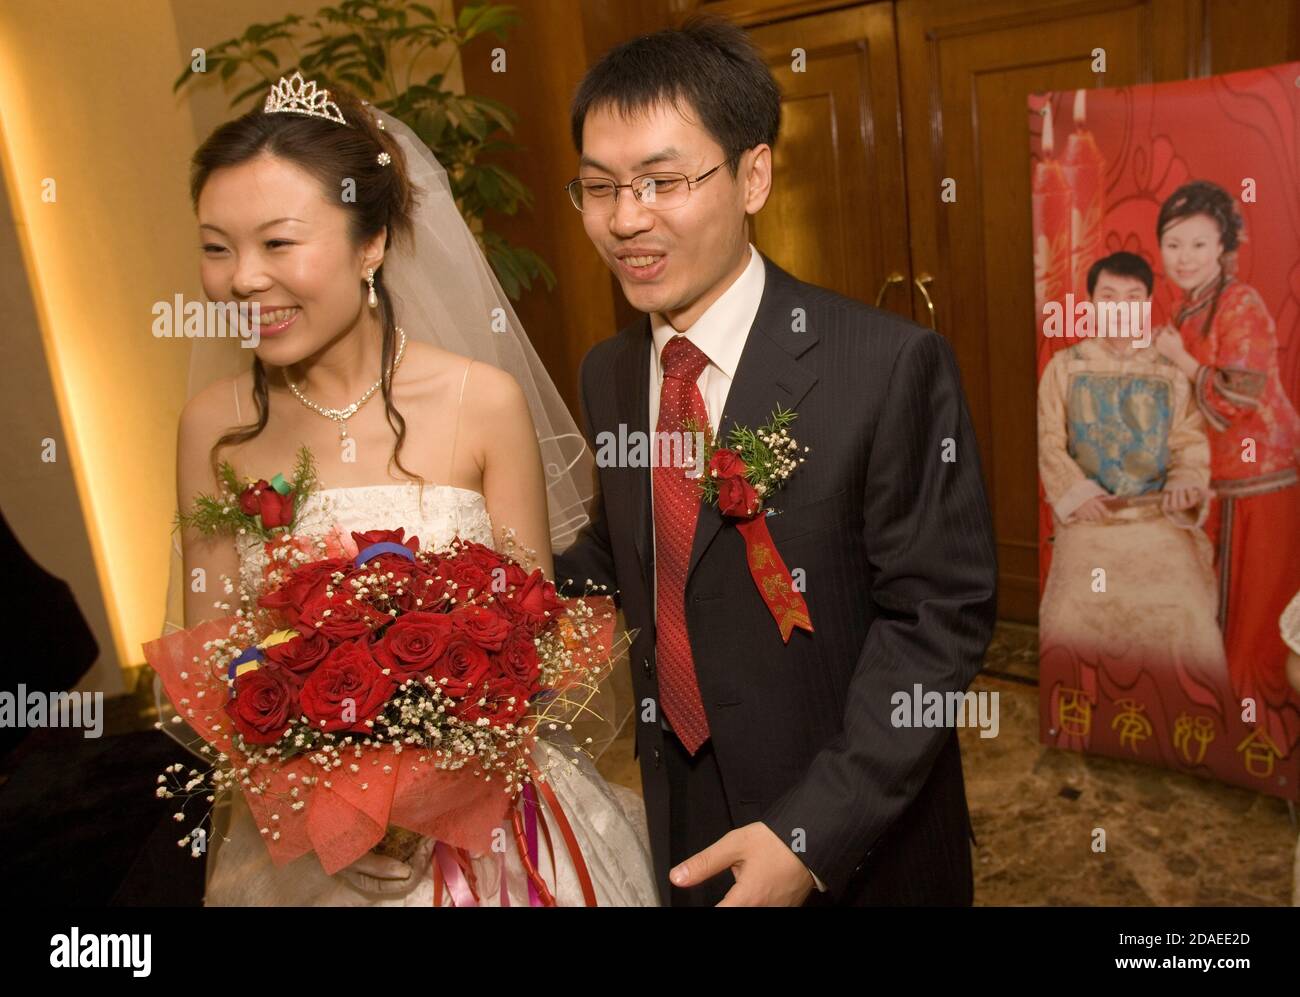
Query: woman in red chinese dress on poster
{"points": [[1227, 344]]}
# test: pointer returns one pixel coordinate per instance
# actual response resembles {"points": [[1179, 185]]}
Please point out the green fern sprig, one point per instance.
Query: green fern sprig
{"points": [[708, 486], [304, 479], [229, 478], [209, 516]]}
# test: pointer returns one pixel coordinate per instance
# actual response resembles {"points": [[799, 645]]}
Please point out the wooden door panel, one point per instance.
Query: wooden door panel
{"points": [[967, 69], [837, 215]]}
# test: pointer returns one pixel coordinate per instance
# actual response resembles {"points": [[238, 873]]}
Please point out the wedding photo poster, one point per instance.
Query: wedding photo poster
{"points": [[1167, 297]]}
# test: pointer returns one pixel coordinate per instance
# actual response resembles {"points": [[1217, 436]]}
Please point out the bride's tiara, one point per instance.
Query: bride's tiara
{"points": [[294, 95]]}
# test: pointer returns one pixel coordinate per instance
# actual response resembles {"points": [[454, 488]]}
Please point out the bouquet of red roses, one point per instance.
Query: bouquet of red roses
{"points": [[392, 687]]}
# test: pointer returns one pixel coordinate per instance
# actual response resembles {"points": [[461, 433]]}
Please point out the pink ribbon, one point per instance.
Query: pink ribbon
{"points": [[461, 894], [457, 885], [530, 833], [501, 866]]}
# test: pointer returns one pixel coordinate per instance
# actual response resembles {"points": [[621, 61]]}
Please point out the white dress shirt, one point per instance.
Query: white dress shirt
{"points": [[720, 333]]}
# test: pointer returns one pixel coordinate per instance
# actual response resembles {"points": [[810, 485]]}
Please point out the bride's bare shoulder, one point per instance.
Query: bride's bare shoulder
{"points": [[492, 393], [216, 408], [436, 371]]}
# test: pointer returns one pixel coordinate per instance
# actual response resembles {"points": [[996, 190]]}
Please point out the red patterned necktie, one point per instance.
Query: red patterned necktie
{"points": [[676, 508]]}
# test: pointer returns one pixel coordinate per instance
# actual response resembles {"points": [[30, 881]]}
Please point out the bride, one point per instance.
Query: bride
{"points": [[386, 346]]}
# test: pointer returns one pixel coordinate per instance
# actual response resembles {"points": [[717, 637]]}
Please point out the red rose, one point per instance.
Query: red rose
{"points": [[487, 626], [726, 463], [306, 584], [340, 617], [502, 570], [485, 557], [364, 540], [347, 689], [274, 508], [263, 704], [736, 497], [300, 655], [515, 575], [427, 591], [467, 574], [249, 500], [412, 645], [535, 601], [503, 702], [517, 661], [463, 664]]}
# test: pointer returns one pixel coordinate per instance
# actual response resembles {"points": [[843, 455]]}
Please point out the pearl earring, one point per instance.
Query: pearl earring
{"points": [[370, 279]]}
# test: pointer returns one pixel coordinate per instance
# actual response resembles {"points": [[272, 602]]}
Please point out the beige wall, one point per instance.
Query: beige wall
{"points": [[86, 100], [99, 121], [38, 491]]}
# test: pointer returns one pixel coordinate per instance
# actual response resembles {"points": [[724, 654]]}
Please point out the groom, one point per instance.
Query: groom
{"points": [[774, 772]]}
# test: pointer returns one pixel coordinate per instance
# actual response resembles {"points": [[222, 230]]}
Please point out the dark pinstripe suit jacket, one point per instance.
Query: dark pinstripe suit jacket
{"points": [[897, 551]]}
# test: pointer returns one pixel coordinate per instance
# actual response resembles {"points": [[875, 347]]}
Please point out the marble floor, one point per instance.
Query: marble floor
{"points": [[1171, 839]]}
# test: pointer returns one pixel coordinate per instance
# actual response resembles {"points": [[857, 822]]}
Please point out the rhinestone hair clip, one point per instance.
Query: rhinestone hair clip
{"points": [[294, 95]]}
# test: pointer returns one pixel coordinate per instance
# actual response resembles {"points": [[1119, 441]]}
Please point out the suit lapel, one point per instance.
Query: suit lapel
{"points": [[768, 374]]}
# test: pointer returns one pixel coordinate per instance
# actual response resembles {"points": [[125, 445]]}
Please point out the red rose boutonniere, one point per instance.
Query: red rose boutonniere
{"points": [[261, 507], [738, 479]]}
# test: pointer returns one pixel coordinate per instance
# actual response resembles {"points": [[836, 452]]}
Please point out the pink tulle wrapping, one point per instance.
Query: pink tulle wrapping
{"points": [[339, 823], [173, 656], [343, 821]]}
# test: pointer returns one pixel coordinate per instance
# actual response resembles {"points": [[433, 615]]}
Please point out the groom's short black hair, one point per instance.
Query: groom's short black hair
{"points": [[1121, 264], [708, 63]]}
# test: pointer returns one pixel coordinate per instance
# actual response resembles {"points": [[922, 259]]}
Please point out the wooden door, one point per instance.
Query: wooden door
{"points": [[837, 213], [967, 68]]}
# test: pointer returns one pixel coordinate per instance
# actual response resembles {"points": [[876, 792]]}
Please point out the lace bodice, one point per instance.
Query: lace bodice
{"points": [[445, 512]]}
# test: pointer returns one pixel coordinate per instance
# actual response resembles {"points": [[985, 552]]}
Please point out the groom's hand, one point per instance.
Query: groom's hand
{"points": [[768, 873]]}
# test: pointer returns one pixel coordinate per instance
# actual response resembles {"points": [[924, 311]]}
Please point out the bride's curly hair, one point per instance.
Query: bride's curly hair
{"points": [[1204, 197], [331, 153]]}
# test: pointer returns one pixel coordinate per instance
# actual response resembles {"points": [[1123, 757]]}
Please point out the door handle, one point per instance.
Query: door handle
{"points": [[920, 283], [894, 278]]}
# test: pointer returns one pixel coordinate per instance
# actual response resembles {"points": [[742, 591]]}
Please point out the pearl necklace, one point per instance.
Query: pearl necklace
{"points": [[342, 415]]}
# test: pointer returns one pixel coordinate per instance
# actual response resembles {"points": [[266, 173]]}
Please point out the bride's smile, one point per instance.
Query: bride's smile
{"points": [[273, 321]]}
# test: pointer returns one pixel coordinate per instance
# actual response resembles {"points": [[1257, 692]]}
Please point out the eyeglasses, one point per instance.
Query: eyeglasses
{"points": [[599, 195]]}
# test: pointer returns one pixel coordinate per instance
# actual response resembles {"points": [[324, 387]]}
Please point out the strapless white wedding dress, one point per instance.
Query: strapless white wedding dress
{"points": [[608, 821]]}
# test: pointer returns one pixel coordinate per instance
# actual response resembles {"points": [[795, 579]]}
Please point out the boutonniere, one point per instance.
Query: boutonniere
{"points": [[738, 480], [266, 508]]}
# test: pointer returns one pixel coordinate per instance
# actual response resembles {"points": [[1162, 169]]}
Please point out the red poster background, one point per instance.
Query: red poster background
{"points": [[1111, 167]]}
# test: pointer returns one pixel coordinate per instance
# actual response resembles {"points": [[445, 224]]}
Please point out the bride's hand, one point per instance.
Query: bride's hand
{"points": [[375, 873]]}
